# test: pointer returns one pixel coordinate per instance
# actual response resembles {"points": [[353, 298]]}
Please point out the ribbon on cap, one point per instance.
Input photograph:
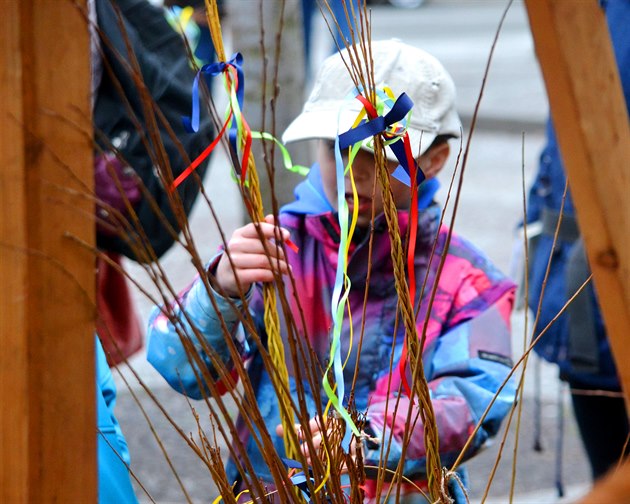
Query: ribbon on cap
{"points": [[390, 126], [393, 126]]}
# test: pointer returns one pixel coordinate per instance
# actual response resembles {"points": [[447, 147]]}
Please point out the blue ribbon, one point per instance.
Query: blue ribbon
{"points": [[378, 125], [300, 479], [191, 124]]}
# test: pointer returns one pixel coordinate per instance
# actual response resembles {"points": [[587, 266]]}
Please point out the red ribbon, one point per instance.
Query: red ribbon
{"points": [[193, 166], [411, 253], [413, 232]]}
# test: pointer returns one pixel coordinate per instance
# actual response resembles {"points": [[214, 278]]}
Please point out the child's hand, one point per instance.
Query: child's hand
{"points": [[315, 433], [250, 263]]}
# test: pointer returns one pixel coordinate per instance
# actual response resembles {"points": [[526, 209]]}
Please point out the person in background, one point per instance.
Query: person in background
{"points": [[189, 16], [577, 341], [112, 454], [114, 482], [125, 173]]}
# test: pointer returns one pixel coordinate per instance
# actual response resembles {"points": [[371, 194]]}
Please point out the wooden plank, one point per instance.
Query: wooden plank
{"points": [[591, 120], [614, 487], [48, 426], [13, 349]]}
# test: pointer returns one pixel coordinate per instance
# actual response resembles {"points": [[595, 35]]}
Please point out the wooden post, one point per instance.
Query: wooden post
{"points": [[591, 121], [47, 377]]}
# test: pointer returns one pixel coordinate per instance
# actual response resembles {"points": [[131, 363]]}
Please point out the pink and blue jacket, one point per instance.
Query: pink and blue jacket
{"points": [[467, 354]]}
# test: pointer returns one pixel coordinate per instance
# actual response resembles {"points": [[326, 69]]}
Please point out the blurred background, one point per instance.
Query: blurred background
{"points": [[502, 159]]}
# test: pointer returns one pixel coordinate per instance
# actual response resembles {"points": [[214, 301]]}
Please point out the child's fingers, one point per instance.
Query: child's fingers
{"points": [[306, 450], [253, 246], [313, 428], [248, 267], [314, 425], [296, 427], [314, 433], [279, 430], [244, 261], [268, 230], [250, 276]]}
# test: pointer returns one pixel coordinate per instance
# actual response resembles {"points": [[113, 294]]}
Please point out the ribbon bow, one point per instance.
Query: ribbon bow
{"points": [[392, 126], [235, 85], [191, 123]]}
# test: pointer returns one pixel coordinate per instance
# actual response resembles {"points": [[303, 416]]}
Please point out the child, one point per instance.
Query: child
{"points": [[467, 354]]}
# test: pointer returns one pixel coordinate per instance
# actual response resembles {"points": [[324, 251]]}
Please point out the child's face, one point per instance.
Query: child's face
{"points": [[364, 171]]}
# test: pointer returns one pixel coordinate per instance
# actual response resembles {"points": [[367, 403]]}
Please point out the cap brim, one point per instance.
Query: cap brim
{"points": [[319, 124]]}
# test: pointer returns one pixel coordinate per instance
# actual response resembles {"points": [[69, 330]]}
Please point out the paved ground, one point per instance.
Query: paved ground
{"points": [[509, 137]]}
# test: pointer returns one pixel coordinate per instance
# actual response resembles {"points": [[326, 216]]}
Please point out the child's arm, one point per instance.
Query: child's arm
{"points": [[166, 350], [465, 370]]}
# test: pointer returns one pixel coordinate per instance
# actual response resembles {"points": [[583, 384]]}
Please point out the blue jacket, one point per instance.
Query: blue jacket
{"points": [[560, 342], [114, 484]]}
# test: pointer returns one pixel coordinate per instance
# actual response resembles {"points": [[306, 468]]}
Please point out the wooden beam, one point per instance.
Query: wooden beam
{"points": [[614, 487], [47, 376], [591, 121]]}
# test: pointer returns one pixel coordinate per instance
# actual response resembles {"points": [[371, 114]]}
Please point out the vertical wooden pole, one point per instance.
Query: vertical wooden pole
{"points": [[591, 121], [47, 377]]}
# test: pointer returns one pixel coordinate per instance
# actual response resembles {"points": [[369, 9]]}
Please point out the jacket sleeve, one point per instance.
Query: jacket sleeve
{"points": [[166, 350], [465, 369]]}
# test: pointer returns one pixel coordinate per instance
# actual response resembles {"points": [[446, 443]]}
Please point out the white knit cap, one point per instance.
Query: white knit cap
{"points": [[330, 111]]}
